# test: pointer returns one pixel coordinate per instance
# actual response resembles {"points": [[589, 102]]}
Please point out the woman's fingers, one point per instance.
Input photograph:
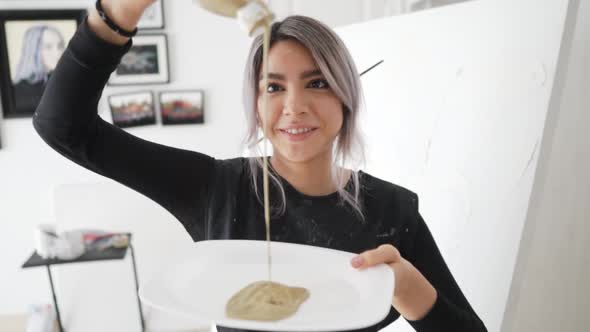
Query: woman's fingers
{"points": [[385, 253]]}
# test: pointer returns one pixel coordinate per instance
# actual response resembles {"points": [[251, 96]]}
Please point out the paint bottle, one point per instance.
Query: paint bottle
{"points": [[253, 15]]}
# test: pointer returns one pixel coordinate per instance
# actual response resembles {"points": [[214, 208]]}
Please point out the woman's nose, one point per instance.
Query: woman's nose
{"points": [[295, 103]]}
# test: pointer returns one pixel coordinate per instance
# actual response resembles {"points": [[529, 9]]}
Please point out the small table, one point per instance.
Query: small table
{"points": [[89, 256]]}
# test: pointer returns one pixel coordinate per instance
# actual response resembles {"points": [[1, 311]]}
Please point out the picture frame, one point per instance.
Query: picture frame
{"points": [[31, 43], [132, 109], [153, 17], [146, 62], [182, 107]]}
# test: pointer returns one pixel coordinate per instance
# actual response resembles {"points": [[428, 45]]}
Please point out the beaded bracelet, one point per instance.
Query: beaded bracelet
{"points": [[112, 24]]}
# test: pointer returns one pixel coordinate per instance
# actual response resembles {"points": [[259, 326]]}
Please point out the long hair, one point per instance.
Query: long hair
{"points": [[337, 66], [30, 66]]}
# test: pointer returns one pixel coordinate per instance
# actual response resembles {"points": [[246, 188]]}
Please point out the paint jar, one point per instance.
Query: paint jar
{"points": [[252, 15]]}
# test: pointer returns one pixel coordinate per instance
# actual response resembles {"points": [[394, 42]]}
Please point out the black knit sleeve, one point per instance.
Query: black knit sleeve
{"points": [[67, 120], [451, 311]]}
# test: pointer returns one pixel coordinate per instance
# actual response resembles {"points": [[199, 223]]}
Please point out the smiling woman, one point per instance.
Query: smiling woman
{"points": [[315, 98], [318, 198], [305, 114], [304, 111]]}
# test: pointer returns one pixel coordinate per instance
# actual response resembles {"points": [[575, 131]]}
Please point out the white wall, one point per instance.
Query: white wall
{"points": [[550, 290], [456, 112]]}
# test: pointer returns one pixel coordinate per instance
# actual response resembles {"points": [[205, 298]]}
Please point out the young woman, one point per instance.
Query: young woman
{"points": [[42, 47], [312, 125]]}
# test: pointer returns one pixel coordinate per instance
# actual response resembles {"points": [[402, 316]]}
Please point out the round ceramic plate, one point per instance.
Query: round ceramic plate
{"points": [[199, 285]]}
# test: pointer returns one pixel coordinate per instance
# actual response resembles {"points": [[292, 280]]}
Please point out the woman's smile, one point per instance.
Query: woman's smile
{"points": [[297, 133]]}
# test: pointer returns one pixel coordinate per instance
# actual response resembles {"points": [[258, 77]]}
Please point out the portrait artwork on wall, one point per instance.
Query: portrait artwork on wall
{"points": [[132, 109], [31, 43], [145, 63], [178, 107]]}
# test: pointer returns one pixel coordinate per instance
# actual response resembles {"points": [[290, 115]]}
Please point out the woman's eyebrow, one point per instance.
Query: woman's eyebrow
{"points": [[274, 76], [304, 75], [311, 73]]}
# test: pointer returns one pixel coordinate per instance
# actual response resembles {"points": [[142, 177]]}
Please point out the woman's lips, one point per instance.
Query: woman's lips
{"points": [[297, 134]]}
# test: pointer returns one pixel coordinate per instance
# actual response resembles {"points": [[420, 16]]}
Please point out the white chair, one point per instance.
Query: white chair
{"points": [[100, 296]]}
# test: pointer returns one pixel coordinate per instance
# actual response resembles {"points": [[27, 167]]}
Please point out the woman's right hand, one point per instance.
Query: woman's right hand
{"points": [[133, 5], [125, 13]]}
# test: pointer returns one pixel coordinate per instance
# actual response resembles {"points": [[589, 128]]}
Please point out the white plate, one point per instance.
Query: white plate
{"points": [[341, 298]]}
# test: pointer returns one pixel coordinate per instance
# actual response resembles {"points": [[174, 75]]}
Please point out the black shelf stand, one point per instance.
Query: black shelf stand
{"points": [[89, 256]]}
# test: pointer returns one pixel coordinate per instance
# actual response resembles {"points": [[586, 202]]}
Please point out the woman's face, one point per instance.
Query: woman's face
{"points": [[52, 47], [305, 116]]}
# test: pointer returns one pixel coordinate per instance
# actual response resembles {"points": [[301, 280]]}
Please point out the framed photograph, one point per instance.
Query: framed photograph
{"points": [[132, 109], [145, 63], [31, 43], [153, 17], [178, 107]]}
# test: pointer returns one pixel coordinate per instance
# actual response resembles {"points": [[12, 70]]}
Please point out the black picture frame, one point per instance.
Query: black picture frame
{"points": [[188, 116], [122, 121], [135, 67], [147, 23], [17, 27]]}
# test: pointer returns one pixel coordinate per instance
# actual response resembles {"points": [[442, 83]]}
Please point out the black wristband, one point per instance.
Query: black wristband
{"points": [[112, 24]]}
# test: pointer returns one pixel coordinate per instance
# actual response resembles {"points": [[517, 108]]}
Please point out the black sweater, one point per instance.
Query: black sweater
{"points": [[214, 199]]}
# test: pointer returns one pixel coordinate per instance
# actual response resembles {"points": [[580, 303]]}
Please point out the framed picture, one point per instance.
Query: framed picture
{"points": [[31, 43], [178, 107], [132, 109], [153, 16], [145, 63]]}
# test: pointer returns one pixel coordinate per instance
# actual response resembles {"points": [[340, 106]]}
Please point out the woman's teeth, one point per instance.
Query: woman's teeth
{"points": [[294, 131]]}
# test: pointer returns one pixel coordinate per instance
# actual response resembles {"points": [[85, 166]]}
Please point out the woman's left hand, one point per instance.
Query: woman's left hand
{"points": [[413, 295]]}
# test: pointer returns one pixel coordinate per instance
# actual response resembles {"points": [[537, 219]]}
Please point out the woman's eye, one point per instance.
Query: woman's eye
{"points": [[273, 87], [319, 84]]}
